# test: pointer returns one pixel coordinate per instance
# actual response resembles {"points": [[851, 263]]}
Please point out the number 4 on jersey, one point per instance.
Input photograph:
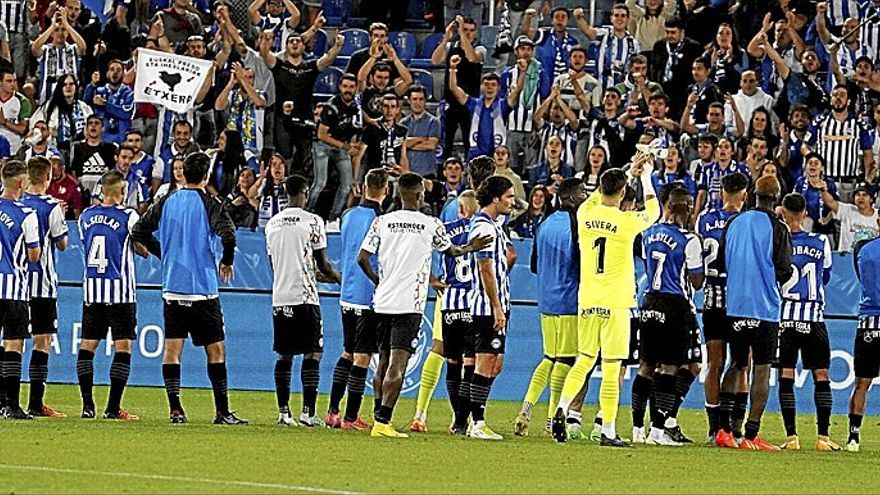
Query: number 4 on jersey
{"points": [[97, 258]]}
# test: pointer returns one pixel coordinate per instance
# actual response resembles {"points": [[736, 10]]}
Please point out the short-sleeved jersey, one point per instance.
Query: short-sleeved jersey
{"points": [[803, 296], [866, 256], [606, 242], [457, 271], [19, 231], [710, 226], [42, 276], [483, 225], [557, 264], [292, 237], [671, 254], [357, 289], [403, 241], [109, 259]]}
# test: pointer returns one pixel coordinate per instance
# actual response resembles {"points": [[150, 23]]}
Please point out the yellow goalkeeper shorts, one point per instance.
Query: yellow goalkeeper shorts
{"points": [[560, 333], [606, 329]]}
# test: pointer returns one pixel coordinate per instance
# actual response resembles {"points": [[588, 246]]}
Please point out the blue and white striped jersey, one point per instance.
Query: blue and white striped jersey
{"points": [[109, 260], [710, 181], [42, 276], [457, 273], [710, 225], [671, 254], [163, 153], [53, 63], [803, 296], [483, 225], [614, 54], [19, 231], [12, 14]]}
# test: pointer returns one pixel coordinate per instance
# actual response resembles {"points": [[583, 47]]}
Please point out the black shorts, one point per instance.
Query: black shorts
{"points": [[203, 320], [119, 319], [487, 340], [298, 329], [458, 334], [349, 327], [666, 328], [716, 325], [635, 336], [44, 315], [756, 335], [14, 319], [866, 351], [807, 338], [365, 338], [399, 331]]}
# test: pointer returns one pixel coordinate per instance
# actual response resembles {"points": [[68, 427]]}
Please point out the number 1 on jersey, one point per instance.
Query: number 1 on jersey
{"points": [[97, 258], [600, 262]]}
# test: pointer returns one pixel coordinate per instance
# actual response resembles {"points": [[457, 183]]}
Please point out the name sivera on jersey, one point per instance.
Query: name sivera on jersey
{"points": [[601, 225], [103, 220]]}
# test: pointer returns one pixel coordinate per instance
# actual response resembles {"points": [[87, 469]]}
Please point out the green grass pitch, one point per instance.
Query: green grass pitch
{"points": [[95, 456]]}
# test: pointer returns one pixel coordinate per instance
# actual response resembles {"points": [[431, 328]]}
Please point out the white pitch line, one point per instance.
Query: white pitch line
{"points": [[162, 477]]}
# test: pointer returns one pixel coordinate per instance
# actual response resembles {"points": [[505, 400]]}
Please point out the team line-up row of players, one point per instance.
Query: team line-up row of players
{"points": [[584, 308]]}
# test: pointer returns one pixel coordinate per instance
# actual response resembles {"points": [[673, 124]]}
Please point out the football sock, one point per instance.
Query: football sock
{"points": [[752, 428], [480, 387], [574, 418], [788, 405], [725, 410], [310, 374], [823, 400], [171, 376], [577, 375], [664, 397], [357, 381], [430, 376], [641, 390], [453, 383], [464, 397], [85, 370], [283, 369], [13, 378], [217, 375], [120, 368], [38, 370], [384, 414], [609, 396], [855, 427], [597, 420], [557, 381], [537, 384], [2, 377], [340, 380], [683, 381], [712, 411], [740, 404]]}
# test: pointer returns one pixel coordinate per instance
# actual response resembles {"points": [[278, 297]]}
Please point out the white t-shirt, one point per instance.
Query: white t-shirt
{"points": [[292, 236], [403, 241], [854, 226], [11, 110]]}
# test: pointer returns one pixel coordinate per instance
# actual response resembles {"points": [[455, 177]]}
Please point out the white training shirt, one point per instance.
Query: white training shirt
{"points": [[854, 226], [403, 241], [292, 236]]}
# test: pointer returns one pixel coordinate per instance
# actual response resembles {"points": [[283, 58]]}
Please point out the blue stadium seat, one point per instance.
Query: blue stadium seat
{"points": [[404, 44], [424, 78], [355, 39], [337, 12], [320, 45], [423, 60], [328, 81]]}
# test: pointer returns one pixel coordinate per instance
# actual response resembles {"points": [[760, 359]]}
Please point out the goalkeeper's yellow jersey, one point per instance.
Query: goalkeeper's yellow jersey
{"points": [[606, 236]]}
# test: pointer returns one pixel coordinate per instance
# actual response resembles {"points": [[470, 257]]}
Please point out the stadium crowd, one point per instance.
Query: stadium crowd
{"points": [[710, 106]]}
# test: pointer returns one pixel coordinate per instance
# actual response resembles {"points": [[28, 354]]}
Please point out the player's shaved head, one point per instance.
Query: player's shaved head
{"points": [[411, 187], [112, 184], [572, 192], [612, 182], [377, 183], [38, 169], [666, 190], [297, 188], [467, 204], [479, 169], [679, 204]]}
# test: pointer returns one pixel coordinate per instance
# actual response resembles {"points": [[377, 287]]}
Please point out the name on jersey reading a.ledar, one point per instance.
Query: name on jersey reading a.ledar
{"points": [[406, 227], [601, 225], [102, 220]]}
